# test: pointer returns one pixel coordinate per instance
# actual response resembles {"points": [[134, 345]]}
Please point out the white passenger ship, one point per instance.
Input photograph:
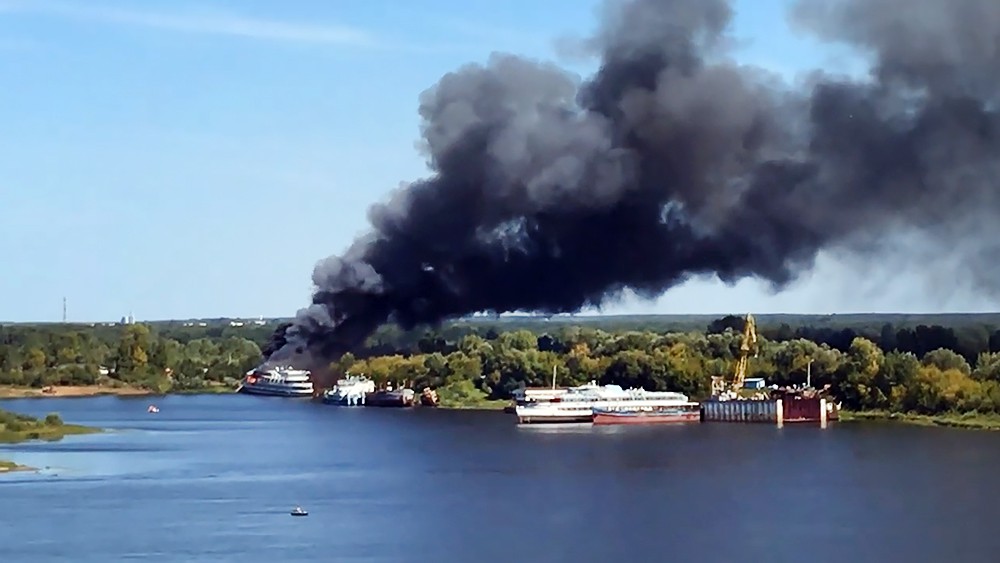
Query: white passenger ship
{"points": [[352, 390], [577, 404], [281, 381]]}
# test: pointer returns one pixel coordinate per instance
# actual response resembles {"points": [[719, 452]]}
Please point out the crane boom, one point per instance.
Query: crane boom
{"points": [[749, 340], [748, 343]]}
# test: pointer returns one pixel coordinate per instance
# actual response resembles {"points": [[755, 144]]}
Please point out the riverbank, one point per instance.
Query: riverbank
{"points": [[970, 421], [16, 428], [10, 467], [10, 392], [475, 406]]}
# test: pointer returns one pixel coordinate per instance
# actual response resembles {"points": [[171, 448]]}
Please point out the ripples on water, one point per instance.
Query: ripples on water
{"points": [[211, 478]]}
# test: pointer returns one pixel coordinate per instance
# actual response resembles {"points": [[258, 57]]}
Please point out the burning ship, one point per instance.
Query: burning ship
{"points": [[277, 381]]}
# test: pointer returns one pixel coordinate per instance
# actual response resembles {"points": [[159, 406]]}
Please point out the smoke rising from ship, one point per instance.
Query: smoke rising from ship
{"points": [[550, 193]]}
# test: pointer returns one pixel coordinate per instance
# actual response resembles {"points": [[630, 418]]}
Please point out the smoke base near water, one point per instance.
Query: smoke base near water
{"points": [[551, 194]]}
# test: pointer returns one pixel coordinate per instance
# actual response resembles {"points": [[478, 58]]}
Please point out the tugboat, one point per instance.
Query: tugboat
{"points": [[298, 511]]}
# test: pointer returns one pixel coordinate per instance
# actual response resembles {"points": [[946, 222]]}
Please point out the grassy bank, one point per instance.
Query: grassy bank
{"points": [[482, 405], [971, 420], [15, 428], [208, 389], [463, 394], [9, 466]]}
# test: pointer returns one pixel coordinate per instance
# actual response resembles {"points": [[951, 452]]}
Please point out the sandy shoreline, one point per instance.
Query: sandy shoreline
{"points": [[5, 468], [16, 469], [8, 392]]}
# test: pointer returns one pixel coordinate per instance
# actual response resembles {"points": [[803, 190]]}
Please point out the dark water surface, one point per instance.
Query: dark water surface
{"points": [[212, 478]]}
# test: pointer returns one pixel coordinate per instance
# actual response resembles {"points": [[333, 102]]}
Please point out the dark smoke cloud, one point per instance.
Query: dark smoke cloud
{"points": [[550, 194]]}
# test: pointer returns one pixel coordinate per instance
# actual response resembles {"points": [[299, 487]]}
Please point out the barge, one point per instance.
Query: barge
{"points": [[788, 405], [391, 398]]}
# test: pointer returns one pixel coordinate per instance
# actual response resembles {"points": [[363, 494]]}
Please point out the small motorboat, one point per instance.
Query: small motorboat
{"points": [[152, 409], [298, 511]]}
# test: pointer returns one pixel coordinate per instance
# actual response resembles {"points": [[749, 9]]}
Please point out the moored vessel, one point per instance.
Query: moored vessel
{"points": [[578, 403], [691, 412], [429, 397], [352, 390], [391, 398], [280, 381]]}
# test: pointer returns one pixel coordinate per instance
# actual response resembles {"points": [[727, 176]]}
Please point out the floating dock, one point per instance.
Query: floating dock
{"points": [[737, 410], [769, 411]]}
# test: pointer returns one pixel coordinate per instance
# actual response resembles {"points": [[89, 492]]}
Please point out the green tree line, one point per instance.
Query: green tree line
{"points": [[135, 355], [920, 368], [862, 375]]}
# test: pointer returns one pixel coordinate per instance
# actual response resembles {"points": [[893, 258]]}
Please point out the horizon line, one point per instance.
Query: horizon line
{"points": [[481, 317]]}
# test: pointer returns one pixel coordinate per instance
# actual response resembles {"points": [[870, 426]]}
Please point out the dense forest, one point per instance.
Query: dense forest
{"points": [[886, 362]]}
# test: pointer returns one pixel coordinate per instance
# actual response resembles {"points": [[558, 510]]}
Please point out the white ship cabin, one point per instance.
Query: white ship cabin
{"points": [[594, 392], [279, 373], [532, 394], [547, 394]]}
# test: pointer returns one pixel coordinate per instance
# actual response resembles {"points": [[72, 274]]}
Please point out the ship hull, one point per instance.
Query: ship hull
{"points": [[274, 391], [642, 417], [389, 399], [579, 404], [343, 401], [554, 419]]}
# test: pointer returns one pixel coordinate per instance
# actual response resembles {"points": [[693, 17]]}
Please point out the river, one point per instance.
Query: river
{"points": [[212, 478]]}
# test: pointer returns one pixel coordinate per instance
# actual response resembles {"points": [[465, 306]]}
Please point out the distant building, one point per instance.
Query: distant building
{"points": [[754, 383]]}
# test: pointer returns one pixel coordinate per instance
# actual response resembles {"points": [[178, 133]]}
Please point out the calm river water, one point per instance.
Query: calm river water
{"points": [[212, 478]]}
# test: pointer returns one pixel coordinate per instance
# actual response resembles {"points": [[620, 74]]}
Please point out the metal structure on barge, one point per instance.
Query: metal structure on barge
{"points": [[774, 405]]}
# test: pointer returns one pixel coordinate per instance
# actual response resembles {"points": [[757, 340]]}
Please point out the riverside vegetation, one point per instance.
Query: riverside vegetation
{"points": [[879, 366], [16, 428]]}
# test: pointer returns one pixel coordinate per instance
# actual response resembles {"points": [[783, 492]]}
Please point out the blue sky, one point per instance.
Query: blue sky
{"points": [[182, 158]]}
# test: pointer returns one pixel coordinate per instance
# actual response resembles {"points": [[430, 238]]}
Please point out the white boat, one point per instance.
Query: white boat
{"points": [[577, 404], [281, 381], [351, 390]]}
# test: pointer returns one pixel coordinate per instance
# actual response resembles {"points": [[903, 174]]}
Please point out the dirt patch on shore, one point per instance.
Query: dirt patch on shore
{"points": [[8, 392]]}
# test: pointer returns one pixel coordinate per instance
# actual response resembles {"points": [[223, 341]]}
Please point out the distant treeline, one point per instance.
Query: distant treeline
{"points": [[161, 358], [871, 361]]}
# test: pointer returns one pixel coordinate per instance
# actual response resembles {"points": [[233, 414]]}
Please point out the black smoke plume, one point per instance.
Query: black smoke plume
{"points": [[549, 194]]}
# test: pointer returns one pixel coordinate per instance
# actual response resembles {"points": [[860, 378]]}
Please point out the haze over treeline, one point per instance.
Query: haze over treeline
{"points": [[550, 193]]}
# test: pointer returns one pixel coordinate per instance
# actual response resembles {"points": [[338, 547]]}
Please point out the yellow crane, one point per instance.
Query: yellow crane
{"points": [[749, 341]]}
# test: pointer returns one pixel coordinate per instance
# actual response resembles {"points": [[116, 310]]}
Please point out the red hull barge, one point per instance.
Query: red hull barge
{"points": [[671, 416]]}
